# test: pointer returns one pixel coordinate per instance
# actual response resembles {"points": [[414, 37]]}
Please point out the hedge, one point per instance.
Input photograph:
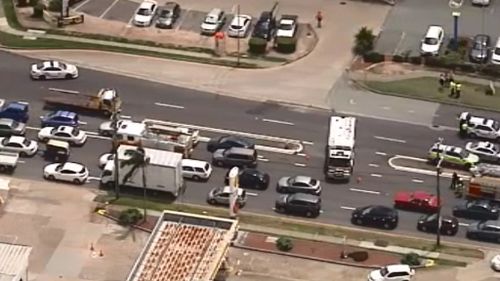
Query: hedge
{"points": [[286, 45], [257, 45], [491, 70], [373, 57]]}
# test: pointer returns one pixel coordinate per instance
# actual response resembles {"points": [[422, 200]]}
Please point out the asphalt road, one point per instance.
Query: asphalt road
{"points": [[377, 140]]}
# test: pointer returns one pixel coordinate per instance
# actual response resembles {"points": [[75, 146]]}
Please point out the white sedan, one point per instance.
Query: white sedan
{"points": [[239, 27], [145, 14], [53, 70], [69, 171], [103, 159], [481, 2], [487, 151], [495, 263], [72, 135], [18, 144]]}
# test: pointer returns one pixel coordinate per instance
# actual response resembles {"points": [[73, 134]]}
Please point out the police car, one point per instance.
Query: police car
{"points": [[53, 70], [480, 127], [487, 151], [452, 155]]}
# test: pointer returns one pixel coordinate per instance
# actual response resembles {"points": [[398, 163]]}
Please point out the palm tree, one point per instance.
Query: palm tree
{"points": [[364, 41], [138, 160]]}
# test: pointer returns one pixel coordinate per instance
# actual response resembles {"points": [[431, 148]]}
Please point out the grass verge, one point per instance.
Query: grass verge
{"points": [[426, 88], [10, 14], [299, 226]]}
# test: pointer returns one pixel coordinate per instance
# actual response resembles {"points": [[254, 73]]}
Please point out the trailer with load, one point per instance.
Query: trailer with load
{"points": [[8, 161], [163, 171], [105, 101], [484, 187], [168, 128]]}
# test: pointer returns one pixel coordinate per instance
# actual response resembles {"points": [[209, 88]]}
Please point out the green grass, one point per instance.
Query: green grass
{"points": [[426, 88], [10, 14], [299, 226]]}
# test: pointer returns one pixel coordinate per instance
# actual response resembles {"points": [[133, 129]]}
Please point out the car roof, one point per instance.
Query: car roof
{"points": [[481, 38], [398, 267], [305, 179], [6, 121], [147, 4], [422, 195], [380, 208], [433, 31], [241, 150], [214, 12], [72, 166], [64, 113], [193, 162], [17, 139], [239, 19], [51, 63], [305, 197], [17, 105]]}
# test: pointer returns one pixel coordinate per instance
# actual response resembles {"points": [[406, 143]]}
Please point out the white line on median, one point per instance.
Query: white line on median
{"points": [[278, 122], [263, 159], [376, 175], [108, 9], [463, 224], [308, 142], [299, 164], [373, 165], [169, 105], [381, 153], [21, 161], [364, 191], [63, 91], [390, 139], [347, 208], [80, 5], [301, 154], [417, 180]]}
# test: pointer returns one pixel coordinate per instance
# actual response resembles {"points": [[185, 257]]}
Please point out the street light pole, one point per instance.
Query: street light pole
{"points": [[114, 126], [238, 39], [438, 193], [455, 15]]}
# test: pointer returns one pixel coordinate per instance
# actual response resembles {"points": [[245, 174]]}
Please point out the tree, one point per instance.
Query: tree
{"points": [[364, 41], [139, 161]]}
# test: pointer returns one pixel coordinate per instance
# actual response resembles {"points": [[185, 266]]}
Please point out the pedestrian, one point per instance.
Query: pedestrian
{"points": [[446, 80], [452, 89], [441, 81], [458, 90], [463, 129], [454, 181], [319, 18]]}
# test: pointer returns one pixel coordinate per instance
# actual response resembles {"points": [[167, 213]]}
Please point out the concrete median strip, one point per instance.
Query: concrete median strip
{"points": [[418, 169]]}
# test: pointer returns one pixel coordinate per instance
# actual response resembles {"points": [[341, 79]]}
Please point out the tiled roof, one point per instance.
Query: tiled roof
{"points": [[13, 259]]}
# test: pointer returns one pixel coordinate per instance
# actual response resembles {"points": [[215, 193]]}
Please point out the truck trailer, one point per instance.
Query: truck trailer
{"points": [[163, 171], [105, 101]]}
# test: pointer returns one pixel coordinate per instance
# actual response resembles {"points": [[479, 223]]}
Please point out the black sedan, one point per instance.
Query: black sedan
{"points": [[480, 49], [226, 142], [429, 223], [375, 215], [476, 210], [251, 179], [485, 230]]}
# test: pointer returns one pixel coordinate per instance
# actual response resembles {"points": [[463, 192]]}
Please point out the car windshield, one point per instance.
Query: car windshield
{"points": [[59, 167], [144, 12], [165, 14], [335, 162], [497, 51], [367, 210], [236, 26], [26, 142], [478, 45], [430, 41], [463, 154], [62, 65], [431, 217], [211, 20], [14, 124], [39, 65], [75, 131], [384, 271], [286, 26], [496, 125], [313, 182], [82, 170]]}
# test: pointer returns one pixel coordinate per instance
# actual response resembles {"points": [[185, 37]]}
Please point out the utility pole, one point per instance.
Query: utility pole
{"points": [[238, 39], [115, 116], [438, 192]]}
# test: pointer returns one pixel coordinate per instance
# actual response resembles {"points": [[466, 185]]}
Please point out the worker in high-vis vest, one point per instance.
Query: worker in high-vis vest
{"points": [[458, 89], [463, 129], [452, 89]]}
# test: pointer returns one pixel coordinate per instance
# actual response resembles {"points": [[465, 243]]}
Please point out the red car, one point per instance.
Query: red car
{"points": [[418, 201]]}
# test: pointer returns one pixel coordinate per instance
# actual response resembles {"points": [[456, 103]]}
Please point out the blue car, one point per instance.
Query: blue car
{"points": [[15, 110], [60, 118]]}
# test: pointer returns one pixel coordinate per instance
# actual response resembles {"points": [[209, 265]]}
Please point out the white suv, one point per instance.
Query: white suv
{"points": [[145, 14], [395, 272], [481, 127], [432, 40]]}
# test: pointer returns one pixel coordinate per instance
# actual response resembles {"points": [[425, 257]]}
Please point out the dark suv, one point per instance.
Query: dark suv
{"points": [[485, 230], [265, 26], [375, 215], [235, 156], [429, 223], [251, 178], [299, 204]]}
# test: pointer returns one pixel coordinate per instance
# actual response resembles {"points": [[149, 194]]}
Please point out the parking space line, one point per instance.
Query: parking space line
{"points": [[381, 153], [403, 35], [181, 21], [417, 180], [299, 164], [365, 191], [129, 24], [347, 208], [80, 5], [108, 9]]}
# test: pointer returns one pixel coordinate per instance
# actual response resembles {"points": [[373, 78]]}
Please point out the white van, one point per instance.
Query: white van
{"points": [[432, 40], [196, 169], [495, 56]]}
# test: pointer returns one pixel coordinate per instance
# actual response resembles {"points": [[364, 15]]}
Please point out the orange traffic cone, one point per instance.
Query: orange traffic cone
{"points": [[358, 180], [92, 247], [101, 254]]}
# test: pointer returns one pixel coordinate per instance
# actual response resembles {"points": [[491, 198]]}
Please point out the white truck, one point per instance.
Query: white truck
{"points": [[8, 161], [339, 159], [163, 172]]}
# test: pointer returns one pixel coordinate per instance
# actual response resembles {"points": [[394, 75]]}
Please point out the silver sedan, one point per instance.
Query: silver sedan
{"points": [[299, 184], [487, 151]]}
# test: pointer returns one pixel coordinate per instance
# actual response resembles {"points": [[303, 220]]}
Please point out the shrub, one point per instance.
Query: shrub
{"points": [[33, 3], [373, 57], [415, 60], [488, 91], [38, 10], [257, 45], [22, 3], [411, 259], [130, 217], [491, 70], [434, 62], [398, 58], [284, 244], [364, 41], [55, 5], [358, 256], [286, 45]]}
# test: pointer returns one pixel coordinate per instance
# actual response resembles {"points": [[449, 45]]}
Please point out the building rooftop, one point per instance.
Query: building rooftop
{"points": [[184, 247], [13, 260]]}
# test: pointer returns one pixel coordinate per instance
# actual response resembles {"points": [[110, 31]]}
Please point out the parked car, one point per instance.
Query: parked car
{"points": [[19, 144], [235, 156], [60, 118], [495, 263], [432, 41], [481, 2], [485, 170], [68, 171], [476, 210], [429, 223], [495, 55], [53, 70], [265, 27], [239, 27], [72, 135], [452, 155], [225, 142], [251, 178], [375, 215], [213, 22], [15, 110], [145, 13], [196, 169], [299, 204], [484, 230], [104, 158], [168, 15], [395, 272], [220, 196], [480, 49], [418, 201], [105, 129], [487, 151], [9, 127], [481, 127], [299, 184], [287, 26]]}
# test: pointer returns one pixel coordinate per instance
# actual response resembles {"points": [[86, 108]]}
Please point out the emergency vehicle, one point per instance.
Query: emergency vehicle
{"points": [[483, 188], [339, 160]]}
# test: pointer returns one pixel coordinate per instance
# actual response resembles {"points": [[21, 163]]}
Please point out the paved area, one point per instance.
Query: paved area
{"points": [[408, 21]]}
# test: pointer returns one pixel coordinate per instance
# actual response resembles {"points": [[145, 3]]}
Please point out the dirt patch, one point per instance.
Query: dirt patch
{"points": [[391, 68]]}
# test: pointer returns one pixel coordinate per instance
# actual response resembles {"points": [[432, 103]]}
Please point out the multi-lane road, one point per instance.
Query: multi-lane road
{"points": [[374, 181]]}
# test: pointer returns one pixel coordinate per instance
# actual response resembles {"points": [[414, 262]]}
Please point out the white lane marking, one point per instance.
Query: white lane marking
{"points": [[308, 142], [278, 122], [386, 108], [82, 123], [376, 175], [381, 153], [411, 111], [81, 5], [301, 154], [91, 133], [179, 23], [463, 224], [252, 194], [32, 128], [94, 178], [364, 191], [125, 116], [64, 91], [108, 9], [373, 165], [98, 137], [263, 159], [417, 180], [347, 208], [129, 24], [21, 161], [299, 164], [169, 105], [390, 139]]}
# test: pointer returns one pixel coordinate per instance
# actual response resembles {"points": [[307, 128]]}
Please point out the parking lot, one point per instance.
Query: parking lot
{"points": [[407, 23]]}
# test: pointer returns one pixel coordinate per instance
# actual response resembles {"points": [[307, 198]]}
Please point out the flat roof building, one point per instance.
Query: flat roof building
{"points": [[14, 262]]}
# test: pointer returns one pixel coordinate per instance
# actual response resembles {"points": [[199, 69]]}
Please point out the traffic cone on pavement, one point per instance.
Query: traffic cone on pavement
{"points": [[92, 247], [101, 254]]}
